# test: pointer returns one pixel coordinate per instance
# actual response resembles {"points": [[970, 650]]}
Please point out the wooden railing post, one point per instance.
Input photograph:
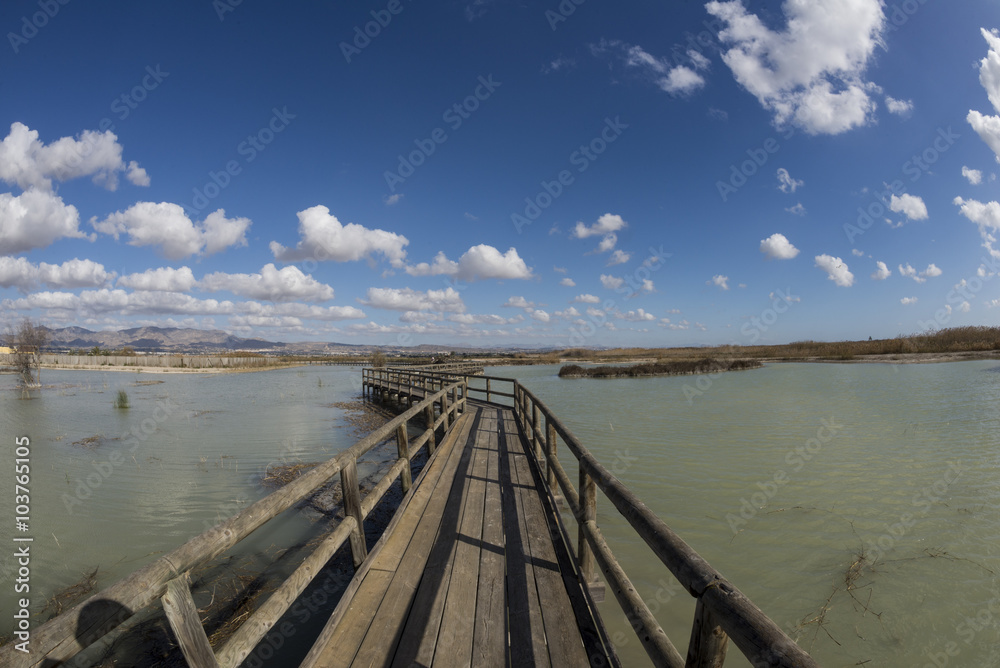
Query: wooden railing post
{"points": [[588, 513], [487, 389], [352, 508], [182, 614], [444, 408], [429, 417], [535, 441], [403, 448], [709, 642], [550, 453]]}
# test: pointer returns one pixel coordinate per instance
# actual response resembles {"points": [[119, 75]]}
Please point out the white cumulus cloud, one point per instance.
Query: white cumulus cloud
{"points": [[323, 237], [811, 73], [988, 127], [76, 273], [271, 284], [406, 299], [786, 183], [720, 281], [882, 272], [898, 107], [974, 176], [777, 247], [911, 206], [612, 282], [166, 225], [161, 279], [906, 301], [36, 219], [836, 270], [586, 299], [606, 224], [986, 216], [30, 163]]}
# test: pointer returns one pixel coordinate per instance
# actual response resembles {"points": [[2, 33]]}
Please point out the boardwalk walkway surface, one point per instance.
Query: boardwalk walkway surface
{"points": [[473, 571]]}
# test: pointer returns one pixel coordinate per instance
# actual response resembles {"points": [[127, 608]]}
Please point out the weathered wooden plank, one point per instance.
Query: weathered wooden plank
{"points": [[388, 622], [458, 620], [418, 643], [561, 632], [186, 625], [490, 637], [329, 647], [526, 628]]}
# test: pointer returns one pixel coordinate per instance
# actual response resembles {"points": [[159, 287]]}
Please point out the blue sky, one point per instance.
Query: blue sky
{"points": [[561, 174]]}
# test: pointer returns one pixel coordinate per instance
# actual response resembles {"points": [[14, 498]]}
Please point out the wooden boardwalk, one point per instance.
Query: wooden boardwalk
{"points": [[469, 573], [474, 568]]}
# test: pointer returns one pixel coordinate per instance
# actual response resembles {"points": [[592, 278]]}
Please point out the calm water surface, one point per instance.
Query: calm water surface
{"points": [[878, 543], [858, 505]]}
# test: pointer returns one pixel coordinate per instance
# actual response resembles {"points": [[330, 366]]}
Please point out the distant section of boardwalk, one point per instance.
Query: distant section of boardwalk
{"points": [[473, 571]]}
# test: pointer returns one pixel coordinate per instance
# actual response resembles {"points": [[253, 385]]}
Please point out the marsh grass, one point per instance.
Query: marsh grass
{"points": [[674, 368], [121, 401]]}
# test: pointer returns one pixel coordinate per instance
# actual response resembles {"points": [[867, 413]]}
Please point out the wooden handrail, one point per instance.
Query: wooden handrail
{"points": [[722, 611], [56, 640]]}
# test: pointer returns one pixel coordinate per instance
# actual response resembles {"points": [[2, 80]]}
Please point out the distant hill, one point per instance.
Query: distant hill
{"points": [[184, 340], [165, 339]]}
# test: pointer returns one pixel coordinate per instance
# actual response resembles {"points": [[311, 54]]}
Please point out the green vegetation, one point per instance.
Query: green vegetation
{"points": [[979, 339], [705, 365], [121, 401]]}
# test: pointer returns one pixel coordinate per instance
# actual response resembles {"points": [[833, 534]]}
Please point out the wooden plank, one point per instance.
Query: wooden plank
{"points": [[561, 632], [389, 620], [490, 637], [352, 508], [346, 621], [419, 639], [458, 620], [526, 629], [186, 624]]}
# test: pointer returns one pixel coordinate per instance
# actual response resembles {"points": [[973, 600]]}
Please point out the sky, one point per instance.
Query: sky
{"points": [[491, 173]]}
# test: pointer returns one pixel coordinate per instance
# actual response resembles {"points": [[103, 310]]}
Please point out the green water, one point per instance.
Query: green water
{"points": [[784, 477], [872, 492]]}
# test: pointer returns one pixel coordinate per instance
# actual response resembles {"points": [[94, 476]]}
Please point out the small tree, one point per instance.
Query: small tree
{"points": [[378, 360], [27, 340]]}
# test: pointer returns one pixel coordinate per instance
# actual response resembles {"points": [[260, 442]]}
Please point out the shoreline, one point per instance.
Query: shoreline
{"points": [[163, 369]]}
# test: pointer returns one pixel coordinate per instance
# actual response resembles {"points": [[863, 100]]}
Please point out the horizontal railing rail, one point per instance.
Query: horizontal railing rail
{"points": [[722, 611], [167, 578]]}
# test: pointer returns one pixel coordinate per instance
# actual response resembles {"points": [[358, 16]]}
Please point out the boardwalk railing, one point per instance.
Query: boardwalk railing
{"points": [[722, 612], [167, 579]]}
